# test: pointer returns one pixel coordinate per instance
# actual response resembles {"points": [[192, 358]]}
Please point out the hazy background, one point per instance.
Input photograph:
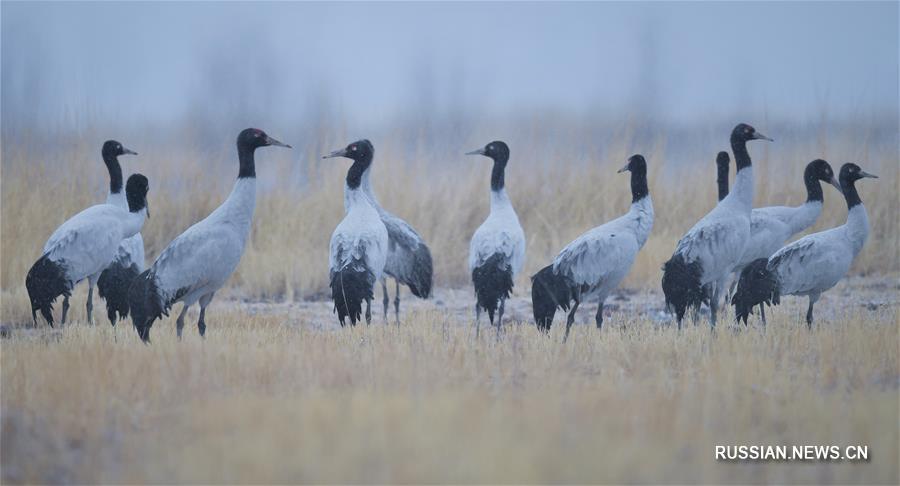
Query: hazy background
{"points": [[435, 73]]}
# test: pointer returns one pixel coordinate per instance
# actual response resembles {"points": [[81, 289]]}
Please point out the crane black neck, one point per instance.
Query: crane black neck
{"points": [[850, 194], [639, 189], [813, 187], [247, 162], [115, 173], [355, 174], [722, 180], [498, 174], [136, 201], [741, 156]]}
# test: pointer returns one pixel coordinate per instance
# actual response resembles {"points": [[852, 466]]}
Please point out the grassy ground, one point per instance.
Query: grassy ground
{"points": [[277, 394]]}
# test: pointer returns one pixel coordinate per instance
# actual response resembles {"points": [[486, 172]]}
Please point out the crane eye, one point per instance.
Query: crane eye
{"points": [[353, 148]]}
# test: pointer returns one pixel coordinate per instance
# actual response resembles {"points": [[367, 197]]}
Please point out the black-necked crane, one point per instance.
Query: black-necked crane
{"points": [[810, 265], [359, 244], [408, 257], [771, 227], [199, 261], [82, 247], [497, 249], [711, 249], [593, 265], [112, 286]]}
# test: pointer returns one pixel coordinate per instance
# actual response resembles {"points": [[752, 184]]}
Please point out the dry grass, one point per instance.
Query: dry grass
{"points": [[268, 399], [279, 395]]}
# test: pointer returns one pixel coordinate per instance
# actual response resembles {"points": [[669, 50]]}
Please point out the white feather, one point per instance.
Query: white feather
{"points": [[403, 240], [360, 236], [200, 260], [500, 233], [772, 227], [131, 250], [87, 242], [817, 262], [719, 239], [600, 258]]}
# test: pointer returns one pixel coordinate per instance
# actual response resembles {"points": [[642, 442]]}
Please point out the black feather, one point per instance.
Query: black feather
{"points": [[46, 280], [420, 281], [146, 305], [113, 286], [681, 285], [493, 281], [757, 285], [349, 287], [549, 292]]}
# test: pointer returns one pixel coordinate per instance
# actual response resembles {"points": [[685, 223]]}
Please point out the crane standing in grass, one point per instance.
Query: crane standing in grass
{"points": [[199, 261], [408, 257], [359, 244], [128, 263], [812, 264], [497, 249], [82, 247], [771, 227], [709, 251], [595, 263]]}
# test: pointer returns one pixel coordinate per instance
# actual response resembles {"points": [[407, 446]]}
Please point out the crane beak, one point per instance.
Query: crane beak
{"points": [[272, 141], [624, 169], [336, 153], [128, 151], [476, 152], [863, 173], [837, 185], [760, 136]]}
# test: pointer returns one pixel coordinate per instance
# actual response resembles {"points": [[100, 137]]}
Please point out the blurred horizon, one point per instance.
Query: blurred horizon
{"points": [[437, 72]]}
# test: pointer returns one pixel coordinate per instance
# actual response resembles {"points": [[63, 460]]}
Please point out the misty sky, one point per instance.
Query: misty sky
{"points": [[675, 61]]}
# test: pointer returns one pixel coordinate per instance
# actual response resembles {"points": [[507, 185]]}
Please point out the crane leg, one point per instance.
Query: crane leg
{"points": [[500, 315], [713, 303], [397, 300], [368, 311], [730, 294], [201, 322], [65, 309], [599, 316], [762, 313], [809, 312], [90, 302], [386, 301], [571, 318], [477, 319], [179, 323]]}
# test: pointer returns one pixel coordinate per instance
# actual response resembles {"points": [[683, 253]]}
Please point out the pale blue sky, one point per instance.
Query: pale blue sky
{"points": [[674, 61]]}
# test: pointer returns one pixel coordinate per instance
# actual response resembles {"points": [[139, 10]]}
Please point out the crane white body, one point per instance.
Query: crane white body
{"points": [[499, 234]]}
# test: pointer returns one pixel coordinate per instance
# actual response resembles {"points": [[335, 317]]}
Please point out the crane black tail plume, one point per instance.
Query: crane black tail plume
{"points": [[549, 291], [145, 304], [681, 285], [113, 286], [421, 284], [493, 281], [757, 285], [46, 280], [349, 287]]}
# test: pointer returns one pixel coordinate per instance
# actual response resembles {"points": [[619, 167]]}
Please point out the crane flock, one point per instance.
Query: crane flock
{"points": [[734, 243]]}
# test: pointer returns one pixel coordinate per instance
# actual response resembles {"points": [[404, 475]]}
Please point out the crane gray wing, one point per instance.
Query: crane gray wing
{"points": [[596, 255]]}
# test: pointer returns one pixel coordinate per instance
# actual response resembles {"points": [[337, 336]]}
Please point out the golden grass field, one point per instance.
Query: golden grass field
{"points": [[269, 398], [278, 394]]}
